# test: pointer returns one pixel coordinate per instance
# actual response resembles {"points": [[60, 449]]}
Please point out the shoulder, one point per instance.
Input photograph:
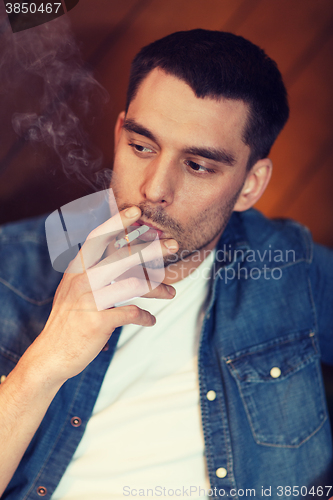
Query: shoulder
{"points": [[27, 286], [25, 266], [259, 233]]}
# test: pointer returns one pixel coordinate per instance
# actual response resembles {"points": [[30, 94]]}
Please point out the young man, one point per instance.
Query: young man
{"points": [[225, 390]]}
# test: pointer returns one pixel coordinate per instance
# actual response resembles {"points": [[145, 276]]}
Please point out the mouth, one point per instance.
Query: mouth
{"points": [[151, 234]]}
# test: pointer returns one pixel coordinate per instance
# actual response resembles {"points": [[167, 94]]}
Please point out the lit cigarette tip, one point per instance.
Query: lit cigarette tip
{"points": [[131, 236]]}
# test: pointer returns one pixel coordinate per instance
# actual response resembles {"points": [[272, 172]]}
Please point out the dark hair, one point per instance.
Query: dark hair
{"points": [[219, 64]]}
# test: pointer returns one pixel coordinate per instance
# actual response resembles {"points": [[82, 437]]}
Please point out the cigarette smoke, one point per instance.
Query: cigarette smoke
{"points": [[48, 56]]}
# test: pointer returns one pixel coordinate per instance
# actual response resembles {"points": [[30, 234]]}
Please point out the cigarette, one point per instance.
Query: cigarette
{"points": [[131, 236]]}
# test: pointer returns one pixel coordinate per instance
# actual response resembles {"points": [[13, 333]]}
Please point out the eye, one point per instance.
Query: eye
{"points": [[198, 168], [140, 149]]}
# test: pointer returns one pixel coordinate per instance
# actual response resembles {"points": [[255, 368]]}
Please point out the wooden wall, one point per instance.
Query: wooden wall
{"points": [[296, 33]]}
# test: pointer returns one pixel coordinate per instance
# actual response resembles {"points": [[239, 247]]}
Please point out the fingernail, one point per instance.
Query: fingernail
{"points": [[171, 245], [171, 290], [132, 212]]}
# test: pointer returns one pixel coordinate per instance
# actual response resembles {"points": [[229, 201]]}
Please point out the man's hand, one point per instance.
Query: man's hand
{"points": [[75, 333]]}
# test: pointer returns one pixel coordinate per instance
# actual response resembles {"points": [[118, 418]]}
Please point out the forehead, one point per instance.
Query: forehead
{"points": [[168, 106]]}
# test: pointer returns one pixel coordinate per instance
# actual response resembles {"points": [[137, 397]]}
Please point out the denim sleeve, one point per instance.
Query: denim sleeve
{"points": [[321, 276]]}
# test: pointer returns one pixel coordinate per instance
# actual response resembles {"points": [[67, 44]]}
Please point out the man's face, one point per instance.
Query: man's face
{"points": [[181, 159]]}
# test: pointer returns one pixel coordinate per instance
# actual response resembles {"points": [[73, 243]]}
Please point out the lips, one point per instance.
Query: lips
{"points": [[151, 234]]}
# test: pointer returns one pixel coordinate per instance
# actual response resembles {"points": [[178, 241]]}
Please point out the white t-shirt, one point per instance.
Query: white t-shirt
{"points": [[145, 432]]}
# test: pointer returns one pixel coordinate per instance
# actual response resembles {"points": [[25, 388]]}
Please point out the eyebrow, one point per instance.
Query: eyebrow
{"points": [[219, 155], [215, 154], [133, 126]]}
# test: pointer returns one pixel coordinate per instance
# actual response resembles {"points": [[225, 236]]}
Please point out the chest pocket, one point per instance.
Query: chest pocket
{"points": [[281, 388]]}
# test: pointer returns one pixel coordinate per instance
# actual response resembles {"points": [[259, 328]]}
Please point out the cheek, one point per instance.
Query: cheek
{"points": [[120, 161], [204, 199], [123, 170], [212, 205], [198, 211]]}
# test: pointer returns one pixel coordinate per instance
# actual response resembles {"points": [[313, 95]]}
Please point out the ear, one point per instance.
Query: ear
{"points": [[255, 184], [118, 127]]}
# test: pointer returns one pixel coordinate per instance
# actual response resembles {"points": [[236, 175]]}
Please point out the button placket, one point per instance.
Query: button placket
{"points": [[215, 424]]}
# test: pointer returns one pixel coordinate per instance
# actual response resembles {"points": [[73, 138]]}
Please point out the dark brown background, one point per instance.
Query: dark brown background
{"points": [[296, 33]]}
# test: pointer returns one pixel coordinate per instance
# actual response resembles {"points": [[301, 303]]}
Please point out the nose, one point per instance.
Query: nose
{"points": [[160, 181]]}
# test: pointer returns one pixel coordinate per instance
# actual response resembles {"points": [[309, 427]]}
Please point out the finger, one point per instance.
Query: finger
{"points": [[120, 291], [149, 251], [97, 241], [110, 268], [127, 315], [160, 291], [129, 289], [145, 251]]}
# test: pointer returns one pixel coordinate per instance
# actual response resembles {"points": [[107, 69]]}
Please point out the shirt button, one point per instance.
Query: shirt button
{"points": [[2, 378], [76, 421], [221, 472], [275, 372], [211, 395], [41, 491]]}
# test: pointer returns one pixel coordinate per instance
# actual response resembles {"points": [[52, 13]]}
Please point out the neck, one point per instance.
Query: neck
{"points": [[183, 268]]}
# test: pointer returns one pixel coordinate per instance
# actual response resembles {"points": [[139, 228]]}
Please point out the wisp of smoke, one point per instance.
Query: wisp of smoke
{"points": [[70, 95]]}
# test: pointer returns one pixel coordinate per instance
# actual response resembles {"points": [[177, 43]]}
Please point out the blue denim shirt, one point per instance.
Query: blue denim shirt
{"points": [[268, 308]]}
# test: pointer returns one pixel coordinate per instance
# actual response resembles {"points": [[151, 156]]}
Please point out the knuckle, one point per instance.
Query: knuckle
{"points": [[93, 234], [86, 303], [134, 283], [78, 284], [133, 312]]}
